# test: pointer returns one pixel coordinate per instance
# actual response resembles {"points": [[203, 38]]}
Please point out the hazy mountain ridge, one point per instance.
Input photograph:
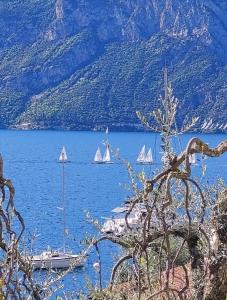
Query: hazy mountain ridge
{"points": [[82, 64]]}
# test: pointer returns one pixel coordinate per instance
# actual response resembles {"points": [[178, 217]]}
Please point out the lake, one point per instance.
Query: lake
{"points": [[31, 162]]}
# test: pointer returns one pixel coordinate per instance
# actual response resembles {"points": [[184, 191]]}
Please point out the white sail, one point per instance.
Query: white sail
{"points": [[142, 155], [107, 130], [149, 158], [63, 155], [106, 156], [98, 156], [192, 158]]}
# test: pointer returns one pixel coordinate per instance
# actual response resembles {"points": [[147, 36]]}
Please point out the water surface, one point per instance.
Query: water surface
{"points": [[31, 161]]}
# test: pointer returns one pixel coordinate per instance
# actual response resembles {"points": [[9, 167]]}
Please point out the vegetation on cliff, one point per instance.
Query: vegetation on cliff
{"points": [[82, 65]]}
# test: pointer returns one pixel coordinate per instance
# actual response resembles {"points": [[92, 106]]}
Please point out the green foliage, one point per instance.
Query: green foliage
{"points": [[83, 82], [126, 78]]}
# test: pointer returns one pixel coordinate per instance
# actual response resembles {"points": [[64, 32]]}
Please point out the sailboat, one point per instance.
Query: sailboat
{"points": [[144, 158], [54, 259], [63, 158], [106, 158]]}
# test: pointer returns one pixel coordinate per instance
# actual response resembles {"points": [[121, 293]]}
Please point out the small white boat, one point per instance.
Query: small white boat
{"points": [[57, 260], [53, 259], [63, 158], [118, 226], [144, 158], [106, 158]]}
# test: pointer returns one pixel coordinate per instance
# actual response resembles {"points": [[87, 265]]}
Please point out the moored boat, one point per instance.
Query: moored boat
{"points": [[54, 259], [57, 260]]}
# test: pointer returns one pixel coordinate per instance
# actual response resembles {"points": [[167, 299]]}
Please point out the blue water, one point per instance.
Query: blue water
{"points": [[31, 162]]}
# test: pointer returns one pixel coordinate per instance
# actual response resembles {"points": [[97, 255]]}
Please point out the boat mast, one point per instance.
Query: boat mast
{"points": [[63, 203], [106, 156], [63, 159], [107, 132]]}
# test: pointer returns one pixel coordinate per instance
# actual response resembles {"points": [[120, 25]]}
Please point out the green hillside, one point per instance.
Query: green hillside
{"points": [[66, 64]]}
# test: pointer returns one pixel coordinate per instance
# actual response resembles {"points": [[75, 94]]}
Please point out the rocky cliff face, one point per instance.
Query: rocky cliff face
{"points": [[54, 48], [133, 20]]}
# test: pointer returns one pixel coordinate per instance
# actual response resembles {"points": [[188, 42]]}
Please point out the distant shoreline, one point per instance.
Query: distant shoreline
{"points": [[135, 128]]}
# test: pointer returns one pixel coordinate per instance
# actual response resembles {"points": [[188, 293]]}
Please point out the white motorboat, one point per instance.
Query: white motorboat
{"points": [[57, 260]]}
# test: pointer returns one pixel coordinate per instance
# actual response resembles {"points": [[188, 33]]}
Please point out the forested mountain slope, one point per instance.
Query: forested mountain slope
{"points": [[84, 64]]}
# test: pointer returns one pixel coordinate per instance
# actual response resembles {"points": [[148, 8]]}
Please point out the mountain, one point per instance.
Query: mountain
{"points": [[85, 64]]}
